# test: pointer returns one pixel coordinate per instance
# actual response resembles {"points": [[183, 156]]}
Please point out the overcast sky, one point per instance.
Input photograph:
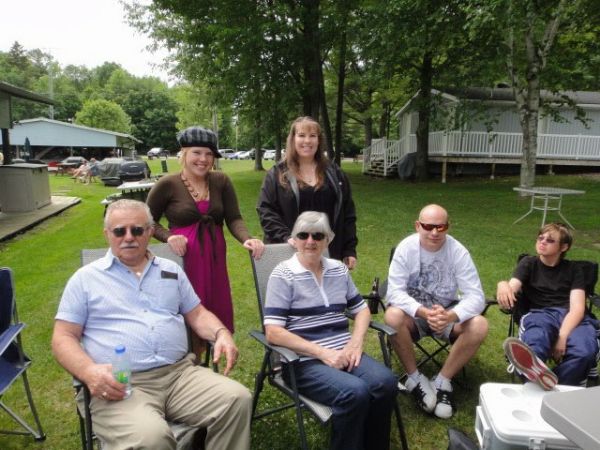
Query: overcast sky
{"points": [[80, 32]]}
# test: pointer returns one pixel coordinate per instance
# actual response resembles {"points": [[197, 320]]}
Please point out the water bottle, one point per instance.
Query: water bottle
{"points": [[121, 368], [374, 297]]}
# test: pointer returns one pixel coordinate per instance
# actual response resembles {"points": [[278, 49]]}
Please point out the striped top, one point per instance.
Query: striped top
{"points": [[296, 301]]}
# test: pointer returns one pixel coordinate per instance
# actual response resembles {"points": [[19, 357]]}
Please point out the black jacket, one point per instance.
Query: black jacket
{"points": [[278, 210]]}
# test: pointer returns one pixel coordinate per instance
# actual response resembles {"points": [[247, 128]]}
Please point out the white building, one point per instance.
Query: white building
{"points": [[481, 125]]}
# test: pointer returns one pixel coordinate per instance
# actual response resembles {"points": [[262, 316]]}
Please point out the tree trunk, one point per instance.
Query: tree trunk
{"points": [[368, 126], [424, 107], [339, 111], [312, 58], [257, 144], [529, 113]]}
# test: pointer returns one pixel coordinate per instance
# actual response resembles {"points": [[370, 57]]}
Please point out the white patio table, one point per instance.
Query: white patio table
{"points": [[548, 199]]}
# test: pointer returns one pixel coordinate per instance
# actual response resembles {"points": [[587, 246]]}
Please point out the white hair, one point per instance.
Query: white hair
{"points": [[128, 204], [313, 222]]}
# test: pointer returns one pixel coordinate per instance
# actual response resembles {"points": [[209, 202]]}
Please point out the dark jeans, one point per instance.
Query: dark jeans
{"points": [[539, 329], [362, 401]]}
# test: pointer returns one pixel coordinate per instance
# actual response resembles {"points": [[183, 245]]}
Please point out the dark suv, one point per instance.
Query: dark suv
{"points": [[115, 171], [134, 170]]}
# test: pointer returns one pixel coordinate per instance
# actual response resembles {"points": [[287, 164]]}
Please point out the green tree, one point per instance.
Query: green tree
{"points": [[530, 34], [105, 115]]}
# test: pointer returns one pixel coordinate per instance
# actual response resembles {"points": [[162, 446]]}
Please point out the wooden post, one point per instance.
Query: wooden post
{"points": [[444, 168], [492, 175]]}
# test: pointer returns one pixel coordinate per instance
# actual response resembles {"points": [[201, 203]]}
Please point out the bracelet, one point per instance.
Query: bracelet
{"points": [[218, 331]]}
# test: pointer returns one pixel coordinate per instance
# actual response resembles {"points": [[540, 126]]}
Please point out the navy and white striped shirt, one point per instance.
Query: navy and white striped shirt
{"points": [[296, 301]]}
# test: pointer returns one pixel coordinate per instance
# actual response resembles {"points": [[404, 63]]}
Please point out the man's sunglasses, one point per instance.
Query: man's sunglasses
{"points": [[303, 235], [430, 226], [122, 231], [541, 238]]}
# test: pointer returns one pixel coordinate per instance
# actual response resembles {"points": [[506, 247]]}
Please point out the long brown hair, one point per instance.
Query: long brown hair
{"points": [[291, 156]]}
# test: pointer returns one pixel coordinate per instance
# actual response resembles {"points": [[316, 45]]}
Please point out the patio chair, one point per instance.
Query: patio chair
{"points": [[429, 352], [274, 355], [13, 360], [187, 437], [522, 306]]}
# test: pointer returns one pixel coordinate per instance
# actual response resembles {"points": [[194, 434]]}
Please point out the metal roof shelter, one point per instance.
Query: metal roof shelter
{"points": [[45, 134], [7, 92]]}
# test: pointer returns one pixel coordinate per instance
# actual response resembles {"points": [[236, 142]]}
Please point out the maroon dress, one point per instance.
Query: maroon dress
{"points": [[205, 264]]}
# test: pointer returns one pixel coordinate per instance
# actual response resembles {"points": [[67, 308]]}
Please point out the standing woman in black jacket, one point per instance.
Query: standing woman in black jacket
{"points": [[307, 181]]}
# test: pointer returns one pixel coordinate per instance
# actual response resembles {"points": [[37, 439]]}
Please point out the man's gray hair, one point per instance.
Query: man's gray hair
{"points": [[313, 222], [129, 204]]}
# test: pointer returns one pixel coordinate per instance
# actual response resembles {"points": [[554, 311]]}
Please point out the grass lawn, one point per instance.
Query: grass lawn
{"points": [[481, 215]]}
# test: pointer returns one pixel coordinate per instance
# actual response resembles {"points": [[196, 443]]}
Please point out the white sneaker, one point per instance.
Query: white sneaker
{"points": [[423, 392], [444, 407]]}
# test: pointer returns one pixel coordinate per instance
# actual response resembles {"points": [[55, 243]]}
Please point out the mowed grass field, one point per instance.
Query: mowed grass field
{"points": [[482, 212]]}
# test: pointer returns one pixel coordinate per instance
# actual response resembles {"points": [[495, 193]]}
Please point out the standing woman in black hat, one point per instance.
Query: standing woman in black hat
{"points": [[196, 202]]}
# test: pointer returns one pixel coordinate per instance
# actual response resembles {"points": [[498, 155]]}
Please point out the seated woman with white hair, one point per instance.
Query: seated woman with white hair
{"points": [[307, 296]]}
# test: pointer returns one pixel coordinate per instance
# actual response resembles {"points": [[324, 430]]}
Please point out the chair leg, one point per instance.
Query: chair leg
{"points": [[299, 417], [88, 419], [400, 425], [39, 436], [259, 381]]}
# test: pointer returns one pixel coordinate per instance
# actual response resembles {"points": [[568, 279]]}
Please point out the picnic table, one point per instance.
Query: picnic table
{"points": [[137, 190], [548, 199]]}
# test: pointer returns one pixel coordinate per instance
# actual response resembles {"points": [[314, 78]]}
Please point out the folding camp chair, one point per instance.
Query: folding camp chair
{"points": [[429, 351], [274, 355], [13, 361], [187, 437], [522, 306]]}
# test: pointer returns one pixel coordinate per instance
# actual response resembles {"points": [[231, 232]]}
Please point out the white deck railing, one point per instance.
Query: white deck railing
{"points": [[474, 144]]}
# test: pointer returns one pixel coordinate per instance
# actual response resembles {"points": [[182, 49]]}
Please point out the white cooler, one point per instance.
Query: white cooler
{"points": [[508, 417]]}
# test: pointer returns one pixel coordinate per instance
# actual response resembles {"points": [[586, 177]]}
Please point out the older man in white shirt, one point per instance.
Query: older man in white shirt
{"points": [[434, 289], [133, 298]]}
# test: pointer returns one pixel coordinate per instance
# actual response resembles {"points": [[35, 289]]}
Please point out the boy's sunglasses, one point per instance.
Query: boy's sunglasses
{"points": [[430, 226], [547, 239], [122, 231], [303, 235]]}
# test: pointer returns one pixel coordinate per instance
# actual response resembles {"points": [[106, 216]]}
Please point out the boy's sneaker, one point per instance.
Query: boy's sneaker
{"points": [[444, 407], [528, 364], [423, 392]]}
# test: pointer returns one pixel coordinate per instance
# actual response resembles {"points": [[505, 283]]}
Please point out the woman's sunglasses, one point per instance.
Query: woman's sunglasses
{"points": [[303, 235], [122, 231], [430, 226]]}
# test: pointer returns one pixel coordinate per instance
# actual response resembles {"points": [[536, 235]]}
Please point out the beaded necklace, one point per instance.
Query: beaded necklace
{"points": [[193, 192]]}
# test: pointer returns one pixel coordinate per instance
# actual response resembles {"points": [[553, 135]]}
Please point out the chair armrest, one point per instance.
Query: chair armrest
{"points": [[489, 303], [383, 328], [287, 354], [8, 336], [595, 300]]}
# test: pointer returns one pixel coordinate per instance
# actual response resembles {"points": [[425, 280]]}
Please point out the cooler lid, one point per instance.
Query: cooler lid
{"points": [[513, 411]]}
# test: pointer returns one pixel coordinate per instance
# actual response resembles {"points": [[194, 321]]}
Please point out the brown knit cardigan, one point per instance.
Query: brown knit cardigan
{"points": [[170, 197]]}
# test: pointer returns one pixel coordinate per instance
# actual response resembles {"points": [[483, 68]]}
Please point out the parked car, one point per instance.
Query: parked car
{"points": [[227, 153], [268, 154], [157, 152], [72, 160], [246, 155]]}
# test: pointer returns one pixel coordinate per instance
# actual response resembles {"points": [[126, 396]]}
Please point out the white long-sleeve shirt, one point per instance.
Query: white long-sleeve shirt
{"points": [[421, 278]]}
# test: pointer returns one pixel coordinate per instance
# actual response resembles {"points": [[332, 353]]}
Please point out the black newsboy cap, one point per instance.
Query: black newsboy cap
{"points": [[198, 137]]}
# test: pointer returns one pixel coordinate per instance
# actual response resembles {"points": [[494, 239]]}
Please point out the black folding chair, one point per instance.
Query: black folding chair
{"points": [[428, 352], [274, 355], [522, 306], [187, 437], [13, 360]]}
